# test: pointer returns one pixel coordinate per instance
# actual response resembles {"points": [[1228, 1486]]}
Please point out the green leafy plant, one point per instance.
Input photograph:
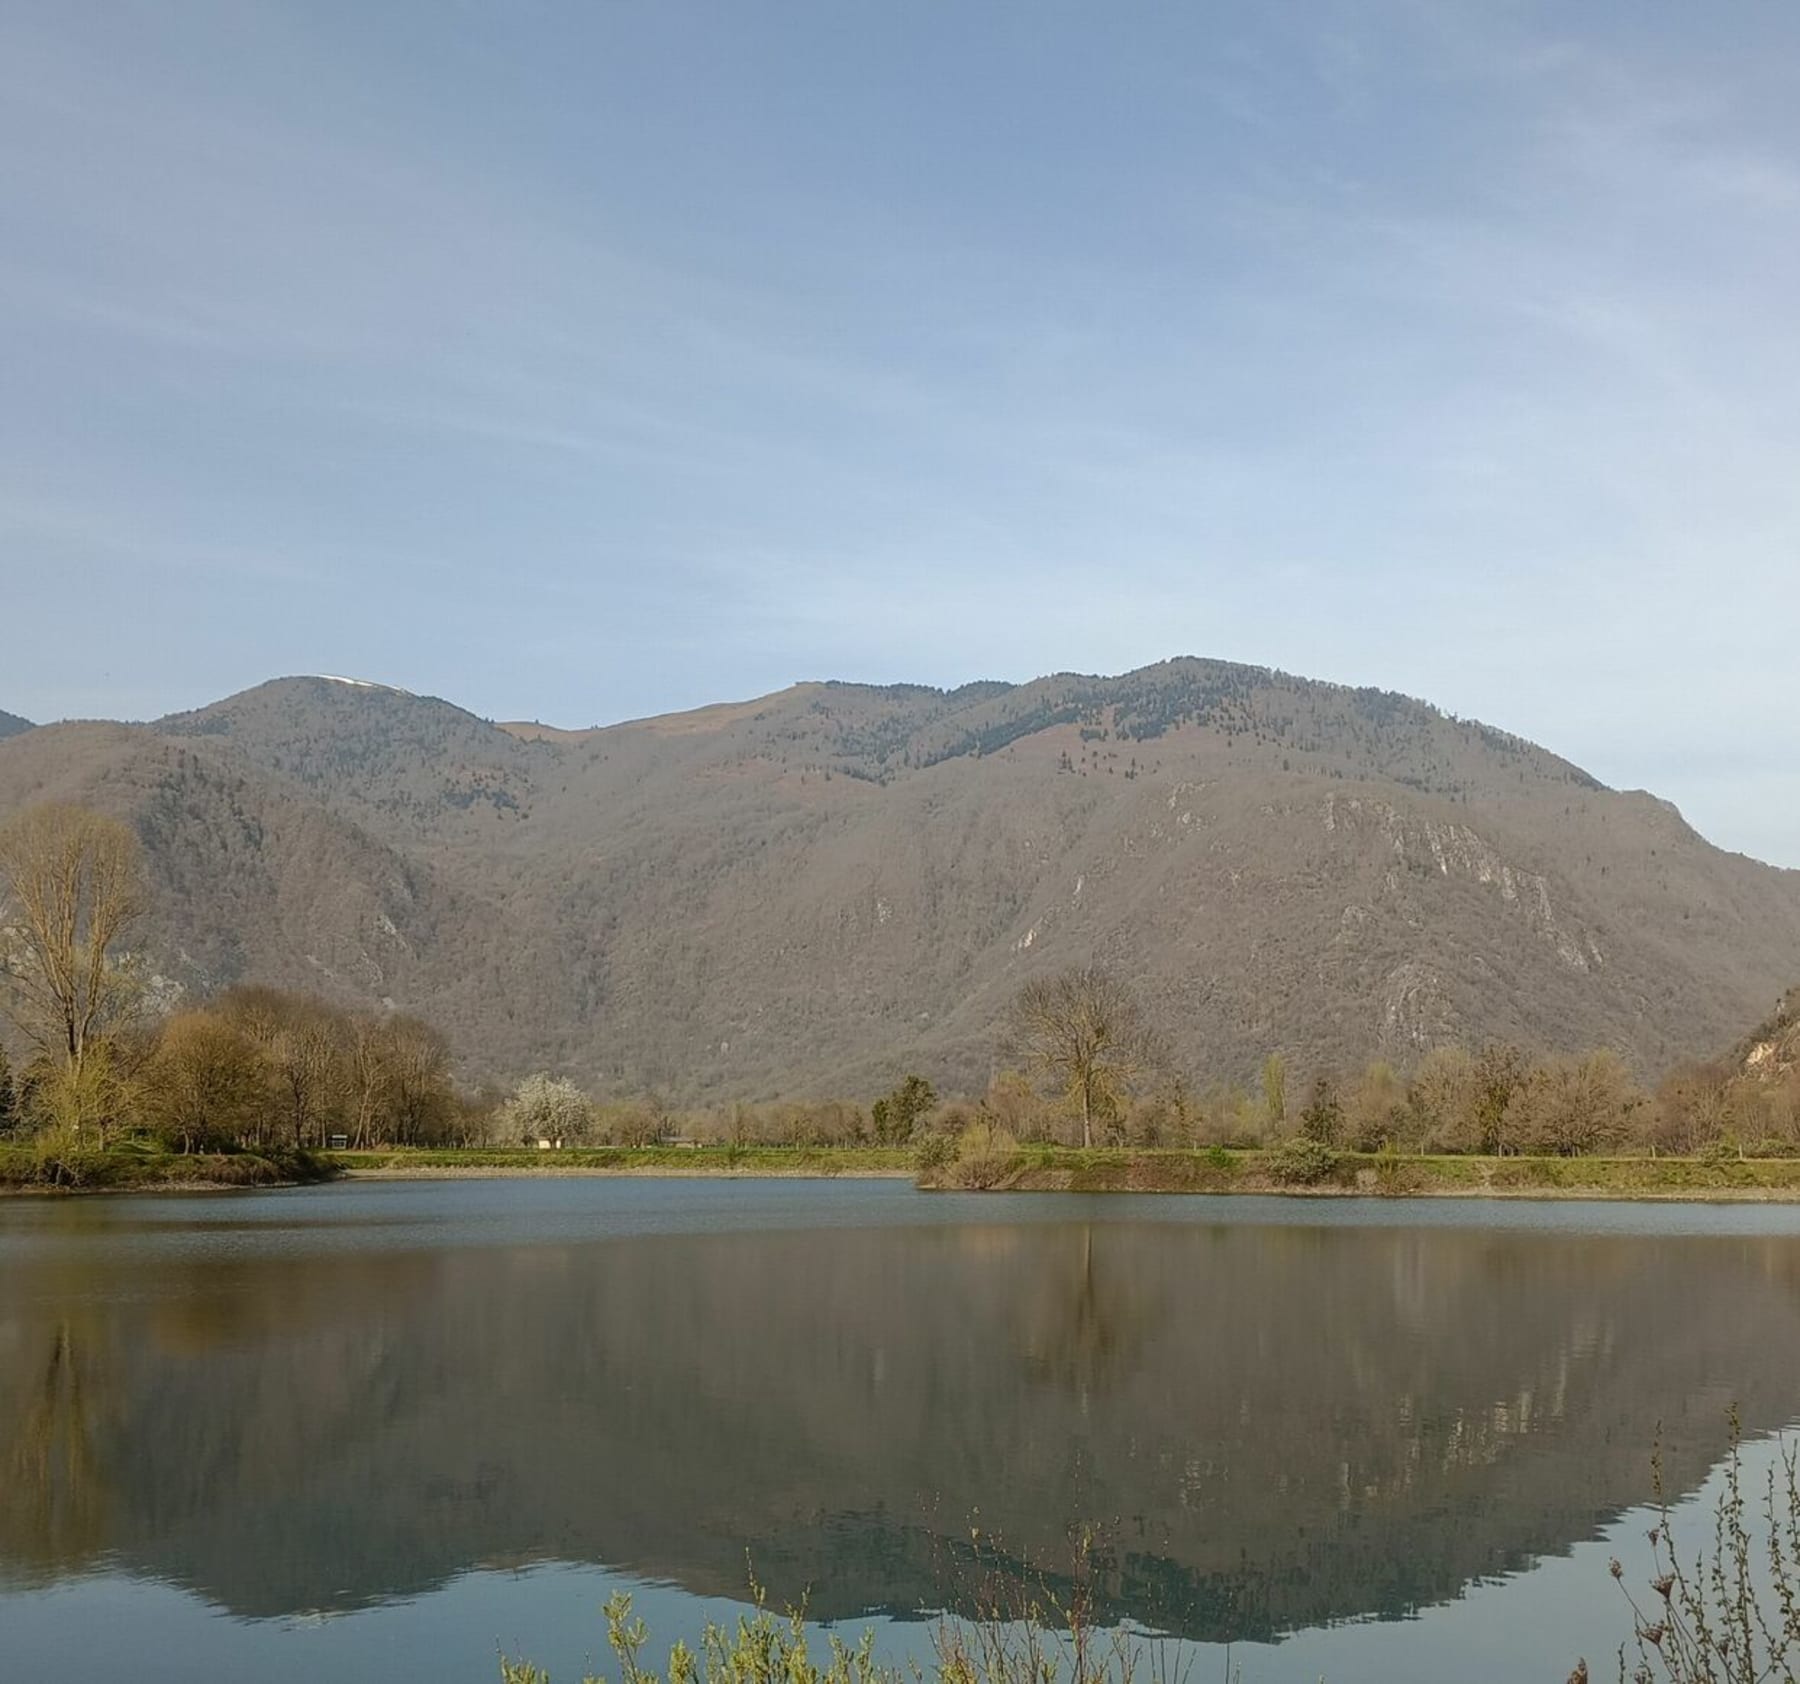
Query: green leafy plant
{"points": [[935, 1152], [1300, 1162]]}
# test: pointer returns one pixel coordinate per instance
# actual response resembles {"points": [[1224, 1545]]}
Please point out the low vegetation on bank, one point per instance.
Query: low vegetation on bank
{"points": [[987, 1160], [140, 1165], [660, 1159]]}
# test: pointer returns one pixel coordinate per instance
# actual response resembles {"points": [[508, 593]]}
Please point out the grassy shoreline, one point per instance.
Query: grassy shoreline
{"points": [[447, 1163], [1030, 1169], [37, 1171], [1043, 1169], [1377, 1175]]}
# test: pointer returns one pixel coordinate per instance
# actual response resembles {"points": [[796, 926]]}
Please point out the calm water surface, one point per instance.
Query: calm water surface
{"points": [[380, 1430]]}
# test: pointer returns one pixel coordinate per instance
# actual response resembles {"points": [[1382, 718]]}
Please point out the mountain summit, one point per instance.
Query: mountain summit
{"points": [[818, 889]]}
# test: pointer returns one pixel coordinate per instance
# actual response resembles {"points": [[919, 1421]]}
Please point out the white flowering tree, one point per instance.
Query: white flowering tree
{"points": [[545, 1107]]}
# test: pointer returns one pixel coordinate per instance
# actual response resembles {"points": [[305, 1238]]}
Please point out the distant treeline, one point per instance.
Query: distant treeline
{"points": [[259, 1068], [1496, 1100]]}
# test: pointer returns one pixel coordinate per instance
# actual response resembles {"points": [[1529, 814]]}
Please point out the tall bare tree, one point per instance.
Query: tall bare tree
{"points": [[70, 888], [1085, 1030], [419, 1093], [368, 1079], [303, 1041], [207, 1085]]}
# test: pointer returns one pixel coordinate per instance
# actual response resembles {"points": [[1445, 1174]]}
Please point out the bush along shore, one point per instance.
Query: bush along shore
{"points": [[129, 1166]]}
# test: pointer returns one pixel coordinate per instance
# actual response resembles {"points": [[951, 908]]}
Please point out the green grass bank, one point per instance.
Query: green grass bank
{"points": [[988, 1167], [136, 1167], [1326, 1174], [402, 1163], [1212, 1170]]}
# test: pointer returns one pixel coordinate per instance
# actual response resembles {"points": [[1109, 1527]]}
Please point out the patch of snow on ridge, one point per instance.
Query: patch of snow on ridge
{"points": [[362, 683]]}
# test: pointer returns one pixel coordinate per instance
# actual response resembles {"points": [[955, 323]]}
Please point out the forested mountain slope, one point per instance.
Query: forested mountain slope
{"points": [[815, 890]]}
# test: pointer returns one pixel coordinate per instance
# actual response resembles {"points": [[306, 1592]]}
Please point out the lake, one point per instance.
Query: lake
{"points": [[382, 1430]]}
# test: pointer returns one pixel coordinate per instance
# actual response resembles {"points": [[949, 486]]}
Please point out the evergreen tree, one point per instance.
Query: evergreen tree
{"points": [[1323, 1118], [895, 1117]]}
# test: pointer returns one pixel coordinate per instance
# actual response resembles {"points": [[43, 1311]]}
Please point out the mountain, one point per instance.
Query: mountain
{"points": [[816, 890], [11, 724]]}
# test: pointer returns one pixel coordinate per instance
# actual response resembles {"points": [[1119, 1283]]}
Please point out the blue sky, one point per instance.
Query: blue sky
{"points": [[586, 361]]}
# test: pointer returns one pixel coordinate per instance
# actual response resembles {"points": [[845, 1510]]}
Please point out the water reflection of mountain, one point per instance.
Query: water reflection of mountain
{"points": [[1281, 1425]]}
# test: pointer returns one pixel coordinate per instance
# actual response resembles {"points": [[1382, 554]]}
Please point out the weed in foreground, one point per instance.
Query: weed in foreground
{"points": [[1731, 1614]]}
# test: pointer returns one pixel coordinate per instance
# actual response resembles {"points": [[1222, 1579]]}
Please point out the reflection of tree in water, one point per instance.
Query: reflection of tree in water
{"points": [[55, 1508], [1089, 1322], [1084, 1324]]}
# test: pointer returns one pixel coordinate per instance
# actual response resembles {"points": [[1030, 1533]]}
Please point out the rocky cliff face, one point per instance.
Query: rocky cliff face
{"points": [[1772, 1050]]}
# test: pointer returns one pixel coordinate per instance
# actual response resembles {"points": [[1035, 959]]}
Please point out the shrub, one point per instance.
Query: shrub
{"points": [[985, 1156], [934, 1152], [1300, 1162]]}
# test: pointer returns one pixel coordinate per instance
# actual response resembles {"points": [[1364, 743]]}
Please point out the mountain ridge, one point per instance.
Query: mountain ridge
{"points": [[816, 889]]}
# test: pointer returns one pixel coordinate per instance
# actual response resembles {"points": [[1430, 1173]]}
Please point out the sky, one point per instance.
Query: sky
{"points": [[586, 361]]}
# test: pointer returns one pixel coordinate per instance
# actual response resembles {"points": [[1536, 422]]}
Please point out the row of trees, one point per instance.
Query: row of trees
{"points": [[1494, 1100], [253, 1070], [555, 1109], [260, 1068], [1091, 1074], [257, 1067]]}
